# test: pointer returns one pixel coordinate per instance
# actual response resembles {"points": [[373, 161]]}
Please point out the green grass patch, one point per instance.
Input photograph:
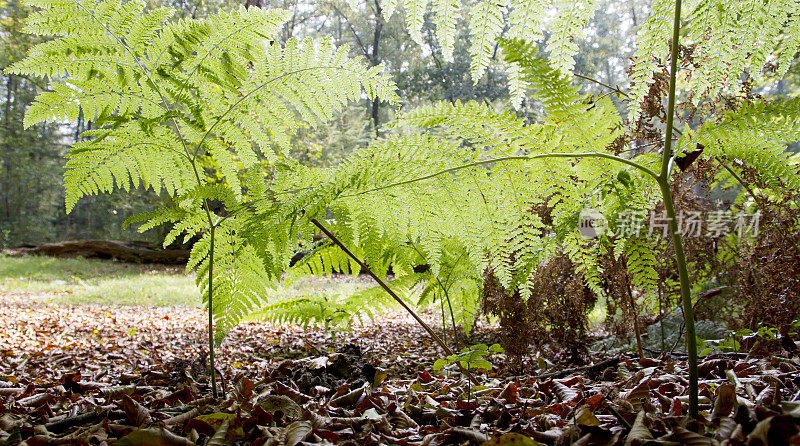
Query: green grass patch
{"points": [[91, 281]]}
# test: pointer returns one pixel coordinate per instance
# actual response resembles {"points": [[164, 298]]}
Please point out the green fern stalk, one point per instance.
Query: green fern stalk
{"points": [[669, 207], [212, 234]]}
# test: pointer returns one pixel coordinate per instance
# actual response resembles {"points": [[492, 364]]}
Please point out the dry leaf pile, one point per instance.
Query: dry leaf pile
{"points": [[138, 376]]}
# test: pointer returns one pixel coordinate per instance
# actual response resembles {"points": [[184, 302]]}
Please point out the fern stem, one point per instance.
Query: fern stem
{"points": [[686, 296], [446, 294], [513, 158], [738, 178], [613, 89], [211, 233], [669, 207], [452, 316], [444, 322], [210, 307], [391, 293], [637, 331]]}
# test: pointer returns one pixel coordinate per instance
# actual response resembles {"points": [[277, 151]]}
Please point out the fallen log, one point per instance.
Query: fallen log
{"points": [[134, 252]]}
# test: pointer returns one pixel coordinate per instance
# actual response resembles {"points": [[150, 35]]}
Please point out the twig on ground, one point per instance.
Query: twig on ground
{"points": [[594, 367]]}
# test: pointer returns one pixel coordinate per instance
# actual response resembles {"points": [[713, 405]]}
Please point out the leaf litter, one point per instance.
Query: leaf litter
{"points": [[100, 375]]}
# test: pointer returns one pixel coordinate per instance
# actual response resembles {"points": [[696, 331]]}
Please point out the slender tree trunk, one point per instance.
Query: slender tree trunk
{"points": [[375, 60], [288, 29], [7, 151]]}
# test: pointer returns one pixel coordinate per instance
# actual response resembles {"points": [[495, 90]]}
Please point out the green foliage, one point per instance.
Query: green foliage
{"points": [[471, 358], [754, 136], [709, 334], [732, 342], [332, 310], [490, 19], [471, 194], [727, 38]]}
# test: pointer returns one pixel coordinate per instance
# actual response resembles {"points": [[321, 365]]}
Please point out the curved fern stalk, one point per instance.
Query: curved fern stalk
{"points": [[189, 107], [669, 207], [504, 159]]}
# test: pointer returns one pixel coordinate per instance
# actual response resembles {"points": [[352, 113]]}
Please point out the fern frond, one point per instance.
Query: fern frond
{"points": [[728, 39], [756, 135], [446, 15], [569, 22], [389, 6], [121, 158], [642, 263], [486, 24], [651, 49], [193, 107], [526, 19], [333, 310], [550, 85], [415, 17]]}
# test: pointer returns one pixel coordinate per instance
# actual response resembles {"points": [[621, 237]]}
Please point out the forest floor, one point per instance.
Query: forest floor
{"points": [[138, 375]]}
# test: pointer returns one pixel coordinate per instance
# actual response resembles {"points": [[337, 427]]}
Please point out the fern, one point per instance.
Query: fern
{"points": [[728, 38], [333, 310], [415, 17], [572, 16], [483, 211], [527, 20], [169, 97], [204, 110], [446, 17], [240, 279], [642, 262], [755, 136], [486, 24], [489, 19], [389, 7], [651, 50]]}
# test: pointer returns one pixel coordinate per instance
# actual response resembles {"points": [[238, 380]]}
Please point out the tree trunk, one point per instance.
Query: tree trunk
{"points": [[7, 152], [375, 60]]}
